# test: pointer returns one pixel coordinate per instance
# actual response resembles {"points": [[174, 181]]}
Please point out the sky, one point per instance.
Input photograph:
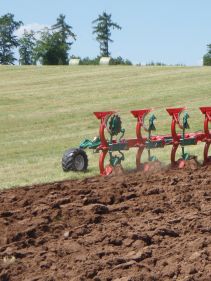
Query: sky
{"points": [[168, 31]]}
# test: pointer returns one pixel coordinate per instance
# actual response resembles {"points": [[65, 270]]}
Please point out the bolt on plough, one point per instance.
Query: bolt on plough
{"points": [[115, 144]]}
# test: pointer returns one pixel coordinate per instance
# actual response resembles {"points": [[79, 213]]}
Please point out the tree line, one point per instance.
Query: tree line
{"points": [[51, 45], [207, 56]]}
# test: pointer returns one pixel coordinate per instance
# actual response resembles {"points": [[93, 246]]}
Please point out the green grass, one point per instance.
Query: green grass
{"points": [[45, 110]]}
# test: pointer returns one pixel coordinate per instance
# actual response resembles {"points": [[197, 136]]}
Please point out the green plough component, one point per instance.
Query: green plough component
{"points": [[155, 144], [152, 158], [118, 146], [116, 160], [90, 144], [190, 141], [150, 145], [185, 121], [186, 156], [151, 123], [114, 125], [184, 142]]}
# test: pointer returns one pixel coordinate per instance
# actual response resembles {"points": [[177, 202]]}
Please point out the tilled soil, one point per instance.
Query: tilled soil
{"points": [[152, 226]]}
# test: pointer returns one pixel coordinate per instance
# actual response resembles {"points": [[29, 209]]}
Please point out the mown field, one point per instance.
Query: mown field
{"points": [[45, 110]]}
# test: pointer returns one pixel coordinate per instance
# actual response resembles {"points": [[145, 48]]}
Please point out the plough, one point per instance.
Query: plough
{"points": [[110, 124]]}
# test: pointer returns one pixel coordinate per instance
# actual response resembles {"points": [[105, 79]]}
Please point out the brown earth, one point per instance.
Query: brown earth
{"points": [[152, 226]]}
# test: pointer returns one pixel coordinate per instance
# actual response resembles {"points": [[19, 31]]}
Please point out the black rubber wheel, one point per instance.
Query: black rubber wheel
{"points": [[74, 159]]}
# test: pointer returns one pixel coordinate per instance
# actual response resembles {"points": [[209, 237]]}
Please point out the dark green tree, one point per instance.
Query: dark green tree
{"points": [[65, 29], [26, 48], [120, 60], [8, 40], [49, 48], [54, 44], [102, 29], [66, 35], [207, 57]]}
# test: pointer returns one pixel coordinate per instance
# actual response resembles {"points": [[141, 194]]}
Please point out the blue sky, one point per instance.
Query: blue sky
{"points": [[170, 31]]}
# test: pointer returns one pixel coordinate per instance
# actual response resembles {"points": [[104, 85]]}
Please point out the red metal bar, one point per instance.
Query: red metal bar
{"points": [[207, 158], [173, 153], [175, 113], [140, 115], [207, 112], [101, 161], [102, 115], [140, 142], [133, 142], [138, 157]]}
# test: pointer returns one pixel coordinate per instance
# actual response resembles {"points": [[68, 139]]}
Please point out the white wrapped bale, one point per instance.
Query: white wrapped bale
{"points": [[74, 61], [105, 60]]}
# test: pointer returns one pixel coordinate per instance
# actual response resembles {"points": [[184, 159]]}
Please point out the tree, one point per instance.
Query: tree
{"points": [[53, 46], [102, 29], [207, 56], [49, 48], [26, 48], [120, 60], [65, 29], [8, 40], [66, 34]]}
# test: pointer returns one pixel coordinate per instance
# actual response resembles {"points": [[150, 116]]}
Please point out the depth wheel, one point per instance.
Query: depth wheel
{"points": [[75, 159]]}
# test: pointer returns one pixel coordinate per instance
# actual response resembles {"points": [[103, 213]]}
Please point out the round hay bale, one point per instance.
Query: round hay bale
{"points": [[74, 61], [105, 60]]}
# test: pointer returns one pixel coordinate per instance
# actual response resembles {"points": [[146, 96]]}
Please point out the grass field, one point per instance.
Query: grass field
{"points": [[45, 110]]}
